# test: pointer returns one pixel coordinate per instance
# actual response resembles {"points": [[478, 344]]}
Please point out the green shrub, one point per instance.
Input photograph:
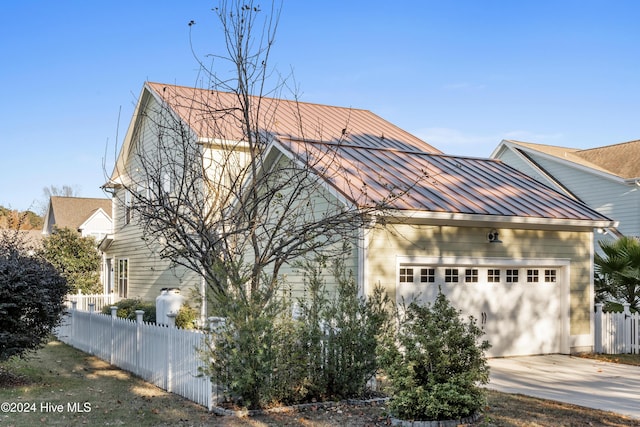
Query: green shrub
{"points": [[186, 317], [32, 296], [434, 363], [127, 309], [265, 357]]}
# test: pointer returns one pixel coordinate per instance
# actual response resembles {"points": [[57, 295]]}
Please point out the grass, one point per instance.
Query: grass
{"points": [[628, 359], [60, 375]]}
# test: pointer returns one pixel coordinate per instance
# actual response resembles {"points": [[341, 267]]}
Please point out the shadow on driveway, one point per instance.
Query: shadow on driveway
{"points": [[585, 382]]}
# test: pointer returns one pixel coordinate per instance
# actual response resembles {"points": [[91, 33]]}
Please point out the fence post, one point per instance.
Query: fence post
{"points": [[72, 338], [139, 314], [91, 334], [171, 324], [626, 329], [114, 314], [598, 328]]}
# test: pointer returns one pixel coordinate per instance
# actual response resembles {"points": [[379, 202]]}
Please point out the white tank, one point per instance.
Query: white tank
{"points": [[172, 303], [160, 307]]}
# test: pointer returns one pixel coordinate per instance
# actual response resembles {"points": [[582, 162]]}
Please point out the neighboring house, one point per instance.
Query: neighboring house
{"points": [[512, 252], [605, 178], [90, 217]]}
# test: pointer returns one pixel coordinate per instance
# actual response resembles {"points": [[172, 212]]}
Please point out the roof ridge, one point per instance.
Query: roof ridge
{"points": [[390, 149], [263, 96], [608, 146]]}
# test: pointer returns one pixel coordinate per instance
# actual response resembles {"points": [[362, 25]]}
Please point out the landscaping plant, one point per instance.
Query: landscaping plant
{"points": [[434, 363], [31, 297], [263, 356]]}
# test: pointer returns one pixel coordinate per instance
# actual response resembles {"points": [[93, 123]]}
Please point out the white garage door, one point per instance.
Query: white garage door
{"points": [[518, 306]]}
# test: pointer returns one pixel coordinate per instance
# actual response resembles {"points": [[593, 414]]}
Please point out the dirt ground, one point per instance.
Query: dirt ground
{"points": [[90, 392]]}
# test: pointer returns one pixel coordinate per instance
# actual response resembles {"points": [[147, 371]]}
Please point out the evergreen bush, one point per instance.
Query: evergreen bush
{"points": [[434, 363]]}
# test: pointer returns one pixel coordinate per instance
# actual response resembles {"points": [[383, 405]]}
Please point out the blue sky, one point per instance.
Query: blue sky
{"points": [[462, 75]]}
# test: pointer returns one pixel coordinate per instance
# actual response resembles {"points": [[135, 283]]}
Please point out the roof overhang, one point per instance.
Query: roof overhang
{"points": [[475, 220]]}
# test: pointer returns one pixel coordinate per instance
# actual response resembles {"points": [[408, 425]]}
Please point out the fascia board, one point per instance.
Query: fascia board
{"points": [[99, 211], [491, 220]]}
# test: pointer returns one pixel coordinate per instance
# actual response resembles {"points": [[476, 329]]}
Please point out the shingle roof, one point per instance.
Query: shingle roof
{"points": [[439, 183], [622, 160], [72, 212]]}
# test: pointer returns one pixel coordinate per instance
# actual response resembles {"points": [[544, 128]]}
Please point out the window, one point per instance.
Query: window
{"points": [[127, 207], [451, 275], [167, 186], [550, 276], [123, 277], [427, 275], [406, 275], [493, 275], [533, 276], [471, 275], [512, 276]]}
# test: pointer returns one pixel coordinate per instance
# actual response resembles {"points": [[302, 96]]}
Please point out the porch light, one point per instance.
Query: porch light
{"points": [[493, 236]]}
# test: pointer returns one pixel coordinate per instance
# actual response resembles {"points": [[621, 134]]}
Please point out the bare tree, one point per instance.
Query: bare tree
{"points": [[224, 192], [53, 190]]}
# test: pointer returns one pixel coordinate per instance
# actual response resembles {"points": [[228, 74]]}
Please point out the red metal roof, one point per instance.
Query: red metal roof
{"points": [[367, 159], [213, 114], [422, 181]]}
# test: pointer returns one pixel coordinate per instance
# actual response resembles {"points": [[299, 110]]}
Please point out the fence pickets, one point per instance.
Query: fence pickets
{"points": [[164, 356], [617, 333], [83, 300]]}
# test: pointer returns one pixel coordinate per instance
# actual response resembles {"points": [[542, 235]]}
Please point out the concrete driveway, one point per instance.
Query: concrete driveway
{"points": [[600, 385]]}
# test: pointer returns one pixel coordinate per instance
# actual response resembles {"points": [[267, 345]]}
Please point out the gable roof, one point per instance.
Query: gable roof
{"points": [[211, 114], [441, 184], [375, 156], [621, 160], [72, 212]]}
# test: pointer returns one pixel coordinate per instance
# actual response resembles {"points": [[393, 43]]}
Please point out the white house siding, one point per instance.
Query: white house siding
{"points": [[606, 195], [148, 273], [97, 226], [516, 162], [570, 252]]}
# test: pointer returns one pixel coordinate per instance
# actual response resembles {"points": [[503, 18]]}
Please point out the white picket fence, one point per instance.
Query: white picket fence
{"points": [[617, 333], [165, 356], [83, 300]]}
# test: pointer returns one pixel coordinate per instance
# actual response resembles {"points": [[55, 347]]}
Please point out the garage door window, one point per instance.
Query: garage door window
{"points": [[451, 275], [493, 275], [427, 275], [406, 275], [533, 276], [512, 276], [471, 275], [550, 276]]}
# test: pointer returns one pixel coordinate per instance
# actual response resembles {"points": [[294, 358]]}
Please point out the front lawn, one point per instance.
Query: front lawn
{"points": [[60, 375]]}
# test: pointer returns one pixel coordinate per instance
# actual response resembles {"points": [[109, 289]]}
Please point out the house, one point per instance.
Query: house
{"points": [[606, 178], [515, 254], [90, 217]]}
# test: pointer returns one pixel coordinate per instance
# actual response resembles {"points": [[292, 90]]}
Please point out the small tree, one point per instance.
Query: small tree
{"points": [[618, 272], [76, 258], [435, 364], [31, 297]]}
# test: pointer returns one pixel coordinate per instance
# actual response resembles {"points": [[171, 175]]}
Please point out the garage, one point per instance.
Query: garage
{"points": [[518, 304]]}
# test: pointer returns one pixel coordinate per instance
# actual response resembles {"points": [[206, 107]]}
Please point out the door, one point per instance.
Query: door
{"points": [[518, 306]]}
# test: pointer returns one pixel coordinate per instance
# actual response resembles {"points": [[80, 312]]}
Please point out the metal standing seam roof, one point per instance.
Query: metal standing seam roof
{"points": [[438, 183], [213, 114], [367, 158]]}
